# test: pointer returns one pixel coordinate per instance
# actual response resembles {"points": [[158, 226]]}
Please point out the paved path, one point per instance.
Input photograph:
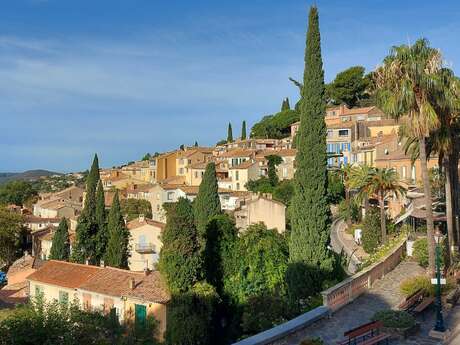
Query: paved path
{"points": [[384, 295]]}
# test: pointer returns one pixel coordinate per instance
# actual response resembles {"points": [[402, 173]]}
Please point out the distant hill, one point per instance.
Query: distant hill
{"points": [[29, 175]]}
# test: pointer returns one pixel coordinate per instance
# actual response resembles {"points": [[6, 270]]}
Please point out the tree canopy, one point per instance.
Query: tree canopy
{"points": [[60, 246], [17, 192], [11, 226], [348, 87], [132, 208]]}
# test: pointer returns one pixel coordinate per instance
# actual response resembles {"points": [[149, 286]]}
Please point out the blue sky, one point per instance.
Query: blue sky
{"points": [[125, 77]]}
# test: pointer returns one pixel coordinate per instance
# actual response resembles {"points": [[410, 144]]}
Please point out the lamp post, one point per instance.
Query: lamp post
{"points": [[439, 326]]}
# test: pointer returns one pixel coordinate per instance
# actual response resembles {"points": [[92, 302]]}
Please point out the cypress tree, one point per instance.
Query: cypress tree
{"points": [[285, 105], [102, 234], [181, 262], [243, 131], [60, 247], [87, 225], [207, 202], [117, 253], [310, 210], [273, 161], [196, 143], [229, 133]]}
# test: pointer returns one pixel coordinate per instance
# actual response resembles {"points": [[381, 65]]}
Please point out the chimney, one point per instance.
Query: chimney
{"points": [[132, 283], [102, 263], [141, 218], [86, 262], [342, 109]]}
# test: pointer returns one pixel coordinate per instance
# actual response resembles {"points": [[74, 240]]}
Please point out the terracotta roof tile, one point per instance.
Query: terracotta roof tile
{"points": [[136, 223]]}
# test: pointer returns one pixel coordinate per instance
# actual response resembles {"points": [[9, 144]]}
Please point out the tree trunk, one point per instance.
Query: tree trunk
{"points": [[454, 185], [383, 220], [428, 206], [449, 209]]}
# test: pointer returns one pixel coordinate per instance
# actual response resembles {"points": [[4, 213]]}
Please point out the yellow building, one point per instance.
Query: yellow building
{"points": [[132, 296]]}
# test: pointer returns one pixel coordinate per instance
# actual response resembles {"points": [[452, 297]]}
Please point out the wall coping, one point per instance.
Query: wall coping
{"points": [[289, 327]]}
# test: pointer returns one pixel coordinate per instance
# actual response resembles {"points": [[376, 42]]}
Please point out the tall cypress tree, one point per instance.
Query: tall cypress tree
{"points": [[310, 210], [85, 248], [117, 253], [285, 105], [207, 202], [102, 235], [196, 143], [60, 246], [229, 133], [181, 262], [243, 131]]}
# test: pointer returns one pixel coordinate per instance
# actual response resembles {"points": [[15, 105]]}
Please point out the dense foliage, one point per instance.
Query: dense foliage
{"points": [[11, 235], [421, 252], [57, 324], [117, 252], [335, 187], [371, 235], [310, 213], [276, 126], [349, 87], [229, 133], [411, 285], [17, 192], [394, 318], [243, 131], [60, 246], [132, 208], [181, 262]]}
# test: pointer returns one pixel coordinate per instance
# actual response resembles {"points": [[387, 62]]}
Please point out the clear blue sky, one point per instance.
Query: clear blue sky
{"points": [[125, 77]]}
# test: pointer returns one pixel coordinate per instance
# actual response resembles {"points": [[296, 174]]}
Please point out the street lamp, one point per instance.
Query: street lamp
{"points": [[439, 326]]}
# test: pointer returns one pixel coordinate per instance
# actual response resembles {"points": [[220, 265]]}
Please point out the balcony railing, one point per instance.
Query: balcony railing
{"points": [[145, 248]]}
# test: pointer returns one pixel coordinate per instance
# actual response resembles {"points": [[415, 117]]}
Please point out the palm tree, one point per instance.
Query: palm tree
{"points": [[381, 183], [405, 85], [359, 180]]}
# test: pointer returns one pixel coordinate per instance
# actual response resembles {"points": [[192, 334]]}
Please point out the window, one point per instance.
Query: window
{"points": [[170, 196], [403, 172], [343, 132], [63, 297], [140, 313], [329, 133], [237, 176], [189, 161], [237, 186], [39, 291], [285, 172], [181, 171], [196, 174]]}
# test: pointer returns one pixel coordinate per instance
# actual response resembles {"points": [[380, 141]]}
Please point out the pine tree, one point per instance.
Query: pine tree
{"points": [[101, 237], [60, 247], [196, 143], [243, 131], [207, 202], [285, 105], [117, 253], [229, 133], [310, 210], [85, 248], [181, 262]]}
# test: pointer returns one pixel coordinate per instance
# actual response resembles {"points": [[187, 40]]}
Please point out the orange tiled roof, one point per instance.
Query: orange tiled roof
{"points": [[238, 153], [244, 165], [65, 274], [136, 223], [116, 282]]}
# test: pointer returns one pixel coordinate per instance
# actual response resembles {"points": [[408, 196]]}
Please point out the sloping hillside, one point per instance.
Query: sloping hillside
{"points": [[28, 175]]}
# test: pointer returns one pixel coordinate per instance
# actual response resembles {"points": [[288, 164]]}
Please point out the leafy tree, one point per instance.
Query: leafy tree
{"points": [[17, 192], [101, 237], [229, 133], [221, 241], [310, 214], [207, 202], [190, 317], [132, 208], [87, 227], [60, 246], [181, 262], [273, 161], [243, 131], [276, 126], [283, 192], [11, 228], [147, 157], [406, 85], [261, 185], [349, 211], [335, 187], [371, 237], [221, 142], [117, 253], [285, 105], [348, 87]]}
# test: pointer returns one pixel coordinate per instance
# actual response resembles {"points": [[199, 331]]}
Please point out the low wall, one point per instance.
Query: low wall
{"points": [[334, 298]]}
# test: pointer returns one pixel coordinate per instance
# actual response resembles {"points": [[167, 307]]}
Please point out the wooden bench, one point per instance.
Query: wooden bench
{"points": [[410, 302], [367, 334]]}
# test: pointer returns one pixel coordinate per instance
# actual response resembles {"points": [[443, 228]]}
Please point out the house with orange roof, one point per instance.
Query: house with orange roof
{"points": [[131, 296], [145, 243]]}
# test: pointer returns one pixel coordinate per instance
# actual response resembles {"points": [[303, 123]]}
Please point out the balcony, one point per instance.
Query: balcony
{"points": [[144, 248]]}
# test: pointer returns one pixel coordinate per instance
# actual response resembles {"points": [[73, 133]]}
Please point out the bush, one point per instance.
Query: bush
{"points": [[349, 210], [371, 236], [421, 252], [314, 341], [413, 284], [394, 318]]}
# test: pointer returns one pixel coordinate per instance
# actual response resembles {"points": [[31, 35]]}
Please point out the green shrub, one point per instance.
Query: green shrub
{"points": [[349, 210], [421, 252], [394, 318], [413, 284], [371, 236]]}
